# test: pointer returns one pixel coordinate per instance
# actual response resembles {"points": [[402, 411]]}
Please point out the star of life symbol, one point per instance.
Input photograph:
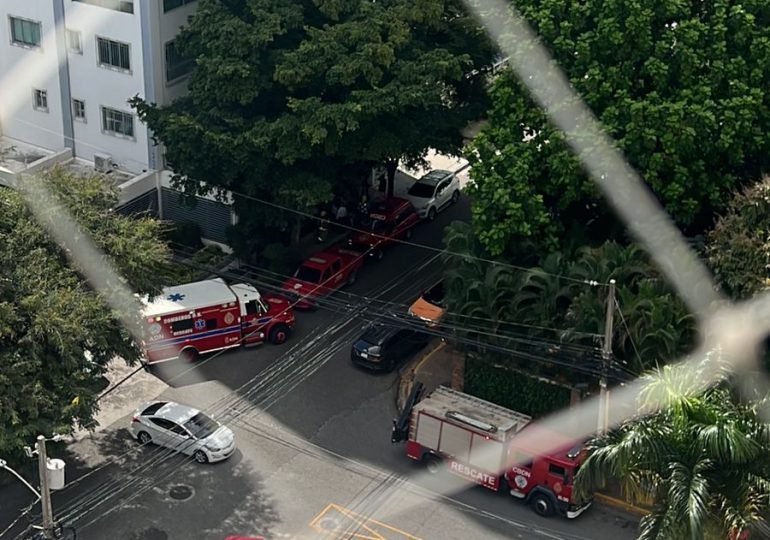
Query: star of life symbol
{"points": [[176, 297]]}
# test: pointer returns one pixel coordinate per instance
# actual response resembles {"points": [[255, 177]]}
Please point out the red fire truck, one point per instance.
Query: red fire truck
{"points": [[491, 446], [187, 320]]}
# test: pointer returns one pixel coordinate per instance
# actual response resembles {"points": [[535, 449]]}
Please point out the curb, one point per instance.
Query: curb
{"points": [[407, 378], [620, 505]]}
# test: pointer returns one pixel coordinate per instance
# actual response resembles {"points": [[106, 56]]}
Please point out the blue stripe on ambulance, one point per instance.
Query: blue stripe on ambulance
{"points": [[191, 337]]}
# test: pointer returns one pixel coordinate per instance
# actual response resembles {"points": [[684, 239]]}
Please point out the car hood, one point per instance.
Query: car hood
{"points": [[221, 438], [299, 287], [276, 302]]}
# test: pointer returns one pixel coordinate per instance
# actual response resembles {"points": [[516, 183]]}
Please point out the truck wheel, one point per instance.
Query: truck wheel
{"points": [[431, 214], [432, 463], [278, 334], [188, 355], [352, 277], [542, 505]]}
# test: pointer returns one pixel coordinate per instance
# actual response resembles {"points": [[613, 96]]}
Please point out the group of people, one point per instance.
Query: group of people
{"points": [[338, 213]]}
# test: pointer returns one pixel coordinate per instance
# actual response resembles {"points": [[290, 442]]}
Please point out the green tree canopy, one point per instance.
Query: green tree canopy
{"points": [[56, 334], [703, 458], [287, 94], [738, 247], [681, 87], [553, 305]]}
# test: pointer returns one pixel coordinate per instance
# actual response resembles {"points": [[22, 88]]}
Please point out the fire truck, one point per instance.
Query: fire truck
{"points": [[491, 446], [205, 316]]}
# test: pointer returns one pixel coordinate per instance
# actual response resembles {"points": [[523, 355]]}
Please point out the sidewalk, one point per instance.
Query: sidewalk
{"points": [[442, 365]]}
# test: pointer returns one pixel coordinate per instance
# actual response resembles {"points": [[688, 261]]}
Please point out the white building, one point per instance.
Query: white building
{"points": [[68, 67]]}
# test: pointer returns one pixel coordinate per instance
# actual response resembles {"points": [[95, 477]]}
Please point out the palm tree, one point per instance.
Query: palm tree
{"points": [[704, 458]]}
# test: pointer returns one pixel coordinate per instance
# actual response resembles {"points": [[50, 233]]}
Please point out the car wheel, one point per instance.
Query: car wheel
{"points": [[455, 196], [188, 355], [542, 504], [352, 278], [431, 214], [144, 438], [432, 463], [200, 456], [408, 234], [278, 334]]}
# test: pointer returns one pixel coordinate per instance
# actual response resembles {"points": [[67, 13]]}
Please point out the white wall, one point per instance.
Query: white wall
{"points": [[99, 86], [22, 70], [170, 24]]}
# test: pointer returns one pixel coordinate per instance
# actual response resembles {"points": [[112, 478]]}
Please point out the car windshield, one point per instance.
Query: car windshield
{"points": [[201, 426], [306, 273], [435, 295], [424, 191]]}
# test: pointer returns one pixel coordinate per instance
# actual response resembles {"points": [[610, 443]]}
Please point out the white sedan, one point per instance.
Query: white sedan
{"points": [[184, 429]]}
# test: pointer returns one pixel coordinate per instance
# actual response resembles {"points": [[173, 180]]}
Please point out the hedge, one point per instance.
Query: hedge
{"points": [[513, 389]]}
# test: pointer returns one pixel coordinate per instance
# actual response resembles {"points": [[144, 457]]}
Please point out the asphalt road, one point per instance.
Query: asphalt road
{"points": [[314, 457]]}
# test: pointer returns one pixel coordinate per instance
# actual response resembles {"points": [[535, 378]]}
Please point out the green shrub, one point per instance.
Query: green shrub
{"points": [[513, 389]]}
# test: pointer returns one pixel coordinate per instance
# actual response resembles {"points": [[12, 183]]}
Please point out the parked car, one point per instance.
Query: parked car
{"points": [[387, 221], [322, 274], [383, 347], [184, 429], [433, 192], [430, 306]]}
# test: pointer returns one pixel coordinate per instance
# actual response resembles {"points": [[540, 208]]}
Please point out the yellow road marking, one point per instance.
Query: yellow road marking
{"points": [[345, 523]]}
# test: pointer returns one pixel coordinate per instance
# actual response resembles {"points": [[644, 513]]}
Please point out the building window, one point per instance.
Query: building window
{"points": [[114, 54], [25, 32], [79, 109], [176, 65], [117, 122], [168, 5], [73, 42], [40, 100], [126, 6]]}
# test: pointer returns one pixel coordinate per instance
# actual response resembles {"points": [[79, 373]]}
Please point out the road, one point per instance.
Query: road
{"points": [[314, 457]]}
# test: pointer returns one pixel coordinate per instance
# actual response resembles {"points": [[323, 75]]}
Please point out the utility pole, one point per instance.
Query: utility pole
{"points": [[604, 402], [45, 492]]}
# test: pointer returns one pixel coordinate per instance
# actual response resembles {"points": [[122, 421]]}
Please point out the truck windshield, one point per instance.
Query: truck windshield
{"points": [[305, 273], [201, 426]]}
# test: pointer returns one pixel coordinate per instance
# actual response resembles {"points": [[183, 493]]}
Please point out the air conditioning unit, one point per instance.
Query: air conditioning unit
{"points": [[103, 163]]}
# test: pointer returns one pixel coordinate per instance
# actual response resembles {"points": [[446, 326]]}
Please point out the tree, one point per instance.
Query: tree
{"points": [[286, 95], [703, 458], [679, 87], [56, 334], [738, 247]]}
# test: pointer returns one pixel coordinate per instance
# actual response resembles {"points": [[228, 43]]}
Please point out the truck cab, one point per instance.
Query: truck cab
{"points": [[268, 318], [545, 480], [321, 274], [389, 220]]}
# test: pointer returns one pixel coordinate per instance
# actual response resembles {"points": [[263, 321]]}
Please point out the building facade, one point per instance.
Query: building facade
{"points": [[68, 68]]}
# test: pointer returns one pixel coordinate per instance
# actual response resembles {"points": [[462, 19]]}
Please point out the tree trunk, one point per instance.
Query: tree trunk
{"points": [[390, 166], [296, 232]]}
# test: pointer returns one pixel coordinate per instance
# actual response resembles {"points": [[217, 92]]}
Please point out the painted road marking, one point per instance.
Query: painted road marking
{"points": [[338, 522]]}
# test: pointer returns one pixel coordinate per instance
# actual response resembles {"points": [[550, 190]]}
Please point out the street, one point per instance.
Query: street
{"points": [[314, 457]]}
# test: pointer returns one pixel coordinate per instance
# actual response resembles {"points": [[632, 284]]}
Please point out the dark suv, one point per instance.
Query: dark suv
{"points": [[382, 347]]}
